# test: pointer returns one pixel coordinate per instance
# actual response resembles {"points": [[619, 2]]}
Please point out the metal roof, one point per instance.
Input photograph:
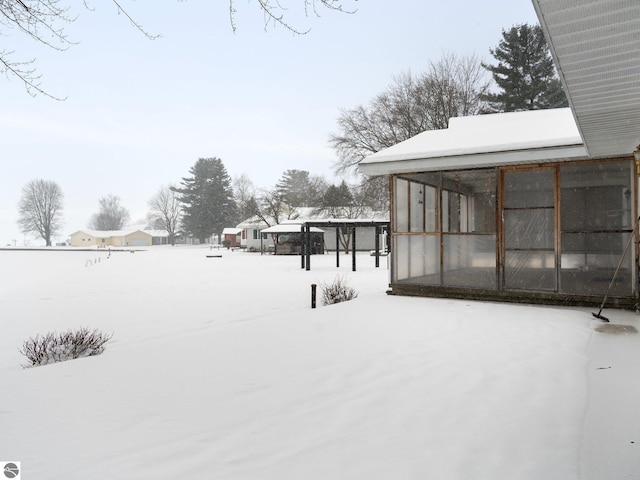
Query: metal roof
{"points": [[596, 48]]}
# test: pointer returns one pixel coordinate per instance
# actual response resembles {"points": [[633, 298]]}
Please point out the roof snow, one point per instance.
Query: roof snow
{"points": [[484, 140]]}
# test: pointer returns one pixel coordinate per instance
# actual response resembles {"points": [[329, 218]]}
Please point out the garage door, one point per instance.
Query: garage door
{"points": [[137, 242]]}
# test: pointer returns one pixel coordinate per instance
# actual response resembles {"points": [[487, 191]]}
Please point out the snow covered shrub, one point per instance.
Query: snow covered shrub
{"points": [[54, 347], [337, 292]]}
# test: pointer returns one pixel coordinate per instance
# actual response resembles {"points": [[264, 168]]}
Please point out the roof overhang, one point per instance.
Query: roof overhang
{"points": [[596, 48], [535, 136], [479, 160]]}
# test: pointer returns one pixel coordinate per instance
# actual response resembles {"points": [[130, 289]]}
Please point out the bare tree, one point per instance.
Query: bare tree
{"points": [[44, 21], [244, 192], [111, 215], [274, 12], [166, 211], [40, 209], [451, 87], [273, 209]]}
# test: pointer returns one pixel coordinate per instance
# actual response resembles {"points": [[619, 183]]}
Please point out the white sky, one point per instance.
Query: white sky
{"points": [[139, 113]]}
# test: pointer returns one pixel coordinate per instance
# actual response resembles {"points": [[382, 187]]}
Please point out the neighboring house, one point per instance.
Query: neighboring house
{"points": [[251, 236], [115, 238], [158, 237], [510, 206]]}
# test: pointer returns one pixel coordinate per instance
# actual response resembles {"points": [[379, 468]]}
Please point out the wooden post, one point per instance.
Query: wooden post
{"points": [[338, 247], [302, 245], [377, 246], [353, 249], [308, 248], [313, 295]]}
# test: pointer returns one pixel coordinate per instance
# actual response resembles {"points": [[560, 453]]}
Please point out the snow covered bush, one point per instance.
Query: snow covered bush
{"points": [[58, 347], [337, 292]]}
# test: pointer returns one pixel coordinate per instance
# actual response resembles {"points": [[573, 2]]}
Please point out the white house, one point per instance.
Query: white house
{"points": [[538, 206]]}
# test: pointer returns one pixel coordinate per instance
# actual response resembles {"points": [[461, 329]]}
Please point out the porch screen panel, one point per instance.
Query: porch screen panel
{"points": [[416, 207], [530, 270], [417, 259], [596, 221], [469, 228], [529, 230], [469, 261], [401, 205]]}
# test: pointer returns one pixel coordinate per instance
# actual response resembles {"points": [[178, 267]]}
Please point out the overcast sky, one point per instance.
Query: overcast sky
{"points": [[140, 112]]}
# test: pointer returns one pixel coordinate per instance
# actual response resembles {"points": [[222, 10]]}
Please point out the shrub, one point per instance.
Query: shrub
{"points": [[54, 347], [337, 292]]}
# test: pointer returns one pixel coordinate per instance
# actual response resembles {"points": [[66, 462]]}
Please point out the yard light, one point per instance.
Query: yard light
{"points": [[636, 155]]}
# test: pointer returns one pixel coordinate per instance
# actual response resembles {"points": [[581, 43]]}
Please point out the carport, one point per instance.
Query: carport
{"points": [[353, 224]]}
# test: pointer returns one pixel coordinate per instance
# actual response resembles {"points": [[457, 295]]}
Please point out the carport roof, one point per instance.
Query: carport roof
{"points": [[288, 228]]}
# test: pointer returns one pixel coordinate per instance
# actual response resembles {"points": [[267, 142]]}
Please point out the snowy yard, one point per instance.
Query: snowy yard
{"points": [[219, 369]]}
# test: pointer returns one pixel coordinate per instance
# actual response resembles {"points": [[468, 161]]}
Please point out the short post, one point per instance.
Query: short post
{"points": [[313, 295]]}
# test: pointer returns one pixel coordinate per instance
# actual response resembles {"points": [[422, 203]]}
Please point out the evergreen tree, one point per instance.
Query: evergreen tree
{"points": [[208, 200], [525, 73], [336, 199]]}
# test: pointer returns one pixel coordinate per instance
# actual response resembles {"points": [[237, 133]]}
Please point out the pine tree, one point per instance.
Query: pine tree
{"points": [[208, 200], [525, 72], [338, 200]]}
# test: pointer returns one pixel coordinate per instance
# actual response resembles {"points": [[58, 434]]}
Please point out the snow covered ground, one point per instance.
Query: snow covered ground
{"points": [[218, 368]]}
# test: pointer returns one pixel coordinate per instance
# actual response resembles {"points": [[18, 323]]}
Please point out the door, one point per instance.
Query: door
{"points": [[528, 229]]}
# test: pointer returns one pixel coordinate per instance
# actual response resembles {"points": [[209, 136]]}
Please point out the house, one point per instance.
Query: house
{"points": [[251, 236], [537, 206], [159, 237], [114, 238], [509, 206]]}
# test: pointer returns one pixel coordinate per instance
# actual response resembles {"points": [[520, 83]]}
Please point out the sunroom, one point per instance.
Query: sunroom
{"points": [[510, 207]]}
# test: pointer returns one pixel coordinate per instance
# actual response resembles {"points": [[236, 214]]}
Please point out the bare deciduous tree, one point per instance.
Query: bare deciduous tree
{"points": [[44, 21], [166, 211], [273, 209], [274, 12], [244, 192], [451, 87], [111, 215], [40, 209]]}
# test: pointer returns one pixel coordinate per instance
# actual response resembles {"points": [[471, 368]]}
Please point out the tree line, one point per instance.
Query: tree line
{"points": [[203, 203]]}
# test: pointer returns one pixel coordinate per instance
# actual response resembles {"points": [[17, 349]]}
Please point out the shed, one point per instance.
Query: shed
{"points": [[231, 237]]}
